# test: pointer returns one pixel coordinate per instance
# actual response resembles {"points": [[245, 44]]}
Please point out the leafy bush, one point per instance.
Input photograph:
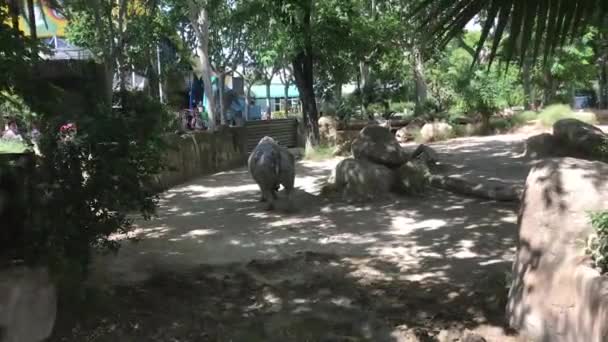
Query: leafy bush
{"points": [[597, 243], [348, 107], [321, 152], [500, 125], [86, 182], [523, 118], [557, 112], [402, 107]]}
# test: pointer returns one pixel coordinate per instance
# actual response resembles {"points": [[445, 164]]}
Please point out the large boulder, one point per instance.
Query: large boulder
{"points": [[377, 144], [579, 138], [328, 130], [436, 131], [412, 178], [361, 180], [28, 304], [426, 155], [555, 296], [541, 146], [405, 134]]}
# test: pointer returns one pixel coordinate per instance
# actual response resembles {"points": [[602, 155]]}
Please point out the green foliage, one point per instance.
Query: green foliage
{"points": [[402, 107], [500, 125], [320, 152], [527, 25], [557, 112], [597, 242], [89, 179], [524, 117], [14, 107]]}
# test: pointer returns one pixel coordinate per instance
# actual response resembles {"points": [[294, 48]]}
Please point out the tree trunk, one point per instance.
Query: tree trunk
{"points": [[14, 11], [527, 84], [420, 79], [120, 51], [200, 23], [32, 19], [603, 84], [303, 72], [365, 88], [268, 109], [602, 67], [247, 97], [549, 91], [338, 92], [222, 81], [286, 98]]}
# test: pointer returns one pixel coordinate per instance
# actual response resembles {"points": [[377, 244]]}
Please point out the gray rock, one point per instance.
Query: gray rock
{"points": [[579, 138], [270, 166], [541, 146], [425, 154], [361, 180], [377, 144], [554, 296], [436, 131], [28, 305], [471, 337]]}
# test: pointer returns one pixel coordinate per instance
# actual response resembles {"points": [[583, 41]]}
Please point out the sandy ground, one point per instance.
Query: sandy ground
{"points": [[434, 262]]}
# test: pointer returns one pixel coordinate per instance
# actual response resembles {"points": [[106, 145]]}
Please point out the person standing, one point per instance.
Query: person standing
{"points": [[11, 131]]}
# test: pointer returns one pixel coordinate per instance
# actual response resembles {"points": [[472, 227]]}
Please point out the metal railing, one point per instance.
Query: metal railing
{"points": [[69, 54]]}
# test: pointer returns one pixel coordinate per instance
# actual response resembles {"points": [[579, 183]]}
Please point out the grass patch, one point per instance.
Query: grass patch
{"points": [[554, 113], [12, 146], [321, 152], [523, 118]]}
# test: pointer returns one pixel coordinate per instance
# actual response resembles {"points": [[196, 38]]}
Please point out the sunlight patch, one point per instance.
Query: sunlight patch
{"points": [[406, 225], [347, 238], [199, 232]]}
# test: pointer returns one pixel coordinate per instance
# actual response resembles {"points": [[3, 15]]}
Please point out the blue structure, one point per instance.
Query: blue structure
{"points": [[236, 108], [277, 96]]}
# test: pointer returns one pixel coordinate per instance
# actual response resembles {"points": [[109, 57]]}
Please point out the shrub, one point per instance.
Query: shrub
{"points": [[321, 152], [500, 125], [597, 243], [557, 112], [402, 107], [87, 181], [522, 118]]}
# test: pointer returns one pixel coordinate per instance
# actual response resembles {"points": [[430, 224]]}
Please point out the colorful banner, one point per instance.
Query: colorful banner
{"points": [[49, 22]]}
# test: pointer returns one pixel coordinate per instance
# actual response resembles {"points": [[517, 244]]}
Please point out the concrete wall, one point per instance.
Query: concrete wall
{"points": [[198, 154]]}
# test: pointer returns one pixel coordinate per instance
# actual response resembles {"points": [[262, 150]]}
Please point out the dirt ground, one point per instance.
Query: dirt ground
{"points": [[214, 266]]}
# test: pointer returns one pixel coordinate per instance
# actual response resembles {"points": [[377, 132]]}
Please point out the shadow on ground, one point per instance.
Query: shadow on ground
{"points": [[328, 272]]}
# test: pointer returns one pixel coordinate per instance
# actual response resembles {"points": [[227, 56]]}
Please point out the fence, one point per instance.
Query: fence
{"points": [[284, 131]]}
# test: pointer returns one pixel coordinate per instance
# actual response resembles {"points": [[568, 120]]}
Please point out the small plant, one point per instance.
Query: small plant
{"points": [[523, 118], [597, 242], [500, 125], [320, 152], [554, 113]]}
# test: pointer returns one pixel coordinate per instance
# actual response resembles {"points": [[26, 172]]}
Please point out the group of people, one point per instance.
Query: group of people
{"points": [[12, 132]]}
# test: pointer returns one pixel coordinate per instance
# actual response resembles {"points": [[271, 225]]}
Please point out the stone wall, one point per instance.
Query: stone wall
{"points": [[555, 295], [198, 154]]}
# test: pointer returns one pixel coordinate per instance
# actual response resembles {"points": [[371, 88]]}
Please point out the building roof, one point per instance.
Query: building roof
{"points": [[258, 91]]}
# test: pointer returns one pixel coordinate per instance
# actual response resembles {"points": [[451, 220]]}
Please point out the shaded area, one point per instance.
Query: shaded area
{"points": [[331, 271], [307, 297], [485, 159]]}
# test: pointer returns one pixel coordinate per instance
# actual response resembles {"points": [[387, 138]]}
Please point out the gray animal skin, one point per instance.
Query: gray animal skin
{"points": [[270, 166]]}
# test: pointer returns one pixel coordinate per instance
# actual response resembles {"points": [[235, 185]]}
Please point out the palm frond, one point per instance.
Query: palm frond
{"points": [[538, 25]]}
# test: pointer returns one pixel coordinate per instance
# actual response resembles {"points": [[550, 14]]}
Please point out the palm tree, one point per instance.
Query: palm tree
{"points": [[536, 26]]}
